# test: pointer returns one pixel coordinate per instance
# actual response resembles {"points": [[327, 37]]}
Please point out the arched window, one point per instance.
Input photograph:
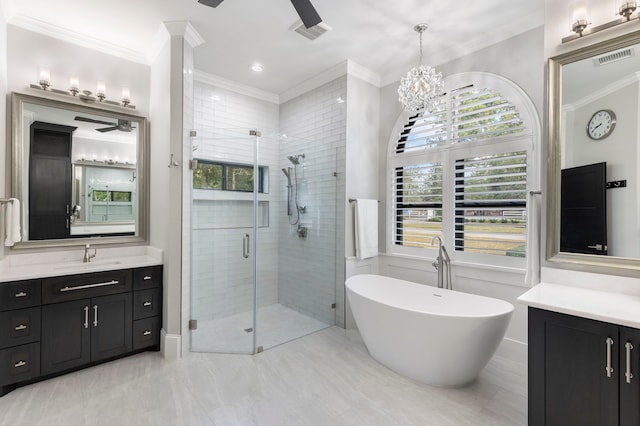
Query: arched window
{"points": [[463, 171]]}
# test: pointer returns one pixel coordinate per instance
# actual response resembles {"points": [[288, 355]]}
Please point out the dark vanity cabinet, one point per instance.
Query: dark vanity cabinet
{"points": [[582, 371], [60, 324]]}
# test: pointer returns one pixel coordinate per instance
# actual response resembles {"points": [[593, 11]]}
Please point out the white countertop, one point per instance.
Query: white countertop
{"points": [[616, 308], [26, 266]]}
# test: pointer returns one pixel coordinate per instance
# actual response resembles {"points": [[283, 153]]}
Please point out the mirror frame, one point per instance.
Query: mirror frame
{"points": [[142, 164], [584, 262]]}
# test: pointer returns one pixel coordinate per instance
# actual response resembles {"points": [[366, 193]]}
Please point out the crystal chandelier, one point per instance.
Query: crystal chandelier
{"points": [[420, 88]]}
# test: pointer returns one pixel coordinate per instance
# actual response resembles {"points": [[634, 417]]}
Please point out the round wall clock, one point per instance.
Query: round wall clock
{"points": [[601, 124]]}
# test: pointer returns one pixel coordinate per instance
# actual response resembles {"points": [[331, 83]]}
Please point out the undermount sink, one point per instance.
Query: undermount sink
{"points": [[79, 265]]}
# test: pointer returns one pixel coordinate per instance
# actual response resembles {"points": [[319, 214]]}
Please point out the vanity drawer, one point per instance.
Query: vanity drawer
{"points": [[19, 363], [20, 294], [19, 327], [74, 287], [149, 277], [147, 303], [146, 332]]}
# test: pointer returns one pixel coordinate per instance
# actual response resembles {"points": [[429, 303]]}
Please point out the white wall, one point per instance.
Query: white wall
{"points": [[29, 51], [521, 60], [363, 122], [621, 153]]}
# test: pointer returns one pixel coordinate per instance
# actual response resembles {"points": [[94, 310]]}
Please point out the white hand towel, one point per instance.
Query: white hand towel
{"points": [[366, 224], [12, 222]]}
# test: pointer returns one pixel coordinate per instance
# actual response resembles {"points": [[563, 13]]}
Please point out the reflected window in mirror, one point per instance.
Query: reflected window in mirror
{"points": [[77, 171]]}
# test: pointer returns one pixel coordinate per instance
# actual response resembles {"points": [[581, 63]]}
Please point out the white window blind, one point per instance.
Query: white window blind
{"points": [[482, 114], [475, 141], [490, 204], [418, 206]]}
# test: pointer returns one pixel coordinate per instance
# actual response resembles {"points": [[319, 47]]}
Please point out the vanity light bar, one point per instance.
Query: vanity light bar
{"points": [[74, 91]]}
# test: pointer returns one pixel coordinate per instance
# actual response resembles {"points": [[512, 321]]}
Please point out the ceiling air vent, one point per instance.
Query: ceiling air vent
{"points": [[310, 33], [614, 56]]}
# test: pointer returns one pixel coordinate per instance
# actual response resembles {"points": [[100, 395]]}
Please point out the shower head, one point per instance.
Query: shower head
{"points": [[295, 159]]}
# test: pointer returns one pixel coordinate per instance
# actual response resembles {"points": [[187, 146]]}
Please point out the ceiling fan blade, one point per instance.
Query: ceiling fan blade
{"points": [[307, 12], [107, 129], [91, 120], [211, 3]]}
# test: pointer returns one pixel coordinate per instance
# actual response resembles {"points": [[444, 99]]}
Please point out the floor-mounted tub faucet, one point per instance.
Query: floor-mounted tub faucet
{"points": [[441, 262], [87, 257]]}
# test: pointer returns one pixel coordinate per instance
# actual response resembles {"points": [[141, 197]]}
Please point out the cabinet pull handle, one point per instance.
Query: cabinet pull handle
{"points": [[21, 294], [609, 368], [19, 364], [21, 327], [146, 278], [146, 333], [95, 315], [245, 246], [86, 316], [629, 347], [146, 304], [84, 287]]}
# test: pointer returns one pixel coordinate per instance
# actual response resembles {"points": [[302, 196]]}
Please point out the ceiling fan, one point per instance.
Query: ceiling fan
{"points": [[122, 125], [305, 10]]}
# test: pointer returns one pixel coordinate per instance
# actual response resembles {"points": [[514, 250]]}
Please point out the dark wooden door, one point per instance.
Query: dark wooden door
{"points": [[49, 180], [111, 326], [629, 384], [66, 335], [583, 218], [568, 383]]}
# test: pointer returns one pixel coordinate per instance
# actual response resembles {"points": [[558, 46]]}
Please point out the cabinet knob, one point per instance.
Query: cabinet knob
{"points": [[21, 294], [19, 364], [146, 304], [21, 327], [146, 278], [146, 333]]}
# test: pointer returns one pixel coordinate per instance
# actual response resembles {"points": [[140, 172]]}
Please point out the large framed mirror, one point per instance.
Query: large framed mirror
{"points": [[79, 171], [593, 215]]}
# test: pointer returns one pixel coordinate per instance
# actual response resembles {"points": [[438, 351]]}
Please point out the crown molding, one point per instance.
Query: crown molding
{"points": [[79, 39], [601, 93], [186, 30], [243, 89], [347, 67]]}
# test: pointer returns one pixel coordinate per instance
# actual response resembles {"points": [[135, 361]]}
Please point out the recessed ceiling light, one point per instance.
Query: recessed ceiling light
{"points": [[257, 67]]}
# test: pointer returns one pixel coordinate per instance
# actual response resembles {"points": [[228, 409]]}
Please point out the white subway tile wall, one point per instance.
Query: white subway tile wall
{"points": [[310, 269], [299, 273]]}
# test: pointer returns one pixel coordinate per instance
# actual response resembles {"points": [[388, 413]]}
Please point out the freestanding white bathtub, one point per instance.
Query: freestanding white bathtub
{"points": [[436, 336]]}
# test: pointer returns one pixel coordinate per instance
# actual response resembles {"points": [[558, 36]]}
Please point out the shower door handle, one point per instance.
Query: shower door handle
{"points": [[245, 246]]}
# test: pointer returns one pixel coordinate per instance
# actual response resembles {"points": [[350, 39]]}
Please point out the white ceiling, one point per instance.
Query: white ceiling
{"points": [[376, 34]]}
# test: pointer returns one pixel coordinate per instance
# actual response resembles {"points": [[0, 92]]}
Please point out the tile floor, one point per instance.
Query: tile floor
{"points": [[277, 324], [326, 378]]}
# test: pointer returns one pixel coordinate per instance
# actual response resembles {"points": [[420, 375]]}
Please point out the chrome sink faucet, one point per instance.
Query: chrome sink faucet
{"points": [[87, 257]]}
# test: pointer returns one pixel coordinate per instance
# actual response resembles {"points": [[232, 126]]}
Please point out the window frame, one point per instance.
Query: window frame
{"points": [[528, 140], [262, 176]]}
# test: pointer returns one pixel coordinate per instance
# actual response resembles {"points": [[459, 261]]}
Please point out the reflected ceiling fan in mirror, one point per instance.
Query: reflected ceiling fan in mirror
{"points": [[122, 125], [305, 10]]}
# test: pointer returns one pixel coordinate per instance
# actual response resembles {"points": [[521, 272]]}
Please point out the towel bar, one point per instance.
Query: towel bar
{"points": [[351, 200]]}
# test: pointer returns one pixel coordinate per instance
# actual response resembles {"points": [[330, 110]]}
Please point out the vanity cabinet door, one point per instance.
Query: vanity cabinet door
{"points": [[569, 383], [111, 327], [66, 335], [629, 373]]}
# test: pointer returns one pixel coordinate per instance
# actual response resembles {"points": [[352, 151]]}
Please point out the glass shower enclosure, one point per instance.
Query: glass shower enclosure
{"points": [[263, 215]]}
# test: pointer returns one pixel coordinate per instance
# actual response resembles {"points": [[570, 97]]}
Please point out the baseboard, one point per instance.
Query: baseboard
{"points": [[170, 345], [513, 350]]}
